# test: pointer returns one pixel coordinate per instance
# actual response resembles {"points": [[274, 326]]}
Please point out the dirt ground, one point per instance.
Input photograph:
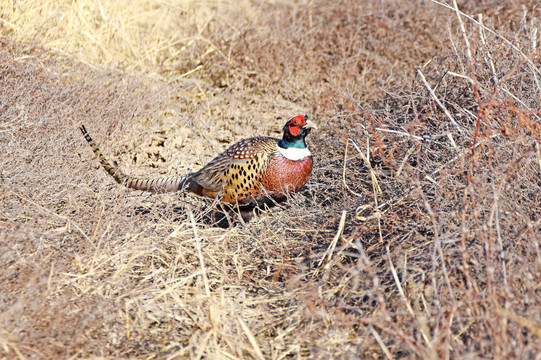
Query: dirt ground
{"points": [[417, 235]]}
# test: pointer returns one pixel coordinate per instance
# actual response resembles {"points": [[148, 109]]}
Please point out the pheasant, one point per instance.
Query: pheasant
{"points": [[251, 170]]}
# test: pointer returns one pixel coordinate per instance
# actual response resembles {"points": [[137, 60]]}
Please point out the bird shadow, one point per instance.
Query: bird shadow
{"points": [[220, 215]]}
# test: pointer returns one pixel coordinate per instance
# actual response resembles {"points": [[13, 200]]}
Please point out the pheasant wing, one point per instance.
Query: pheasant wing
{"points": [[218, 174]]}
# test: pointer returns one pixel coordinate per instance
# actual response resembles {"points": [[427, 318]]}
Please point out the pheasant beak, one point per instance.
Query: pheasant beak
{"points": [[309, 125]]}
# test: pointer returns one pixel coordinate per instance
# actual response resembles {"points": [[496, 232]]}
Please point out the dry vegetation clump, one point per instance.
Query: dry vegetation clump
{"points": [[416, 237]]}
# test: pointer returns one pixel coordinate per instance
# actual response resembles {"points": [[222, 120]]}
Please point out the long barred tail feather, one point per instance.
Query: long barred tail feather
{"points": [[157, 185]]}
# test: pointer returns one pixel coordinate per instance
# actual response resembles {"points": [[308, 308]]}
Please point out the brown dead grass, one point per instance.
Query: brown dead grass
{"points": [[444, 262]]}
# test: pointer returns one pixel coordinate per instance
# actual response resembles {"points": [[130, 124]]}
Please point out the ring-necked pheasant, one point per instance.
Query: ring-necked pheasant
{"points": [[250, 170]]}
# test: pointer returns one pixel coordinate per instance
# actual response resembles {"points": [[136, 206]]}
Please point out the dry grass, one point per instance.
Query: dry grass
{"points": [[416, 237]]}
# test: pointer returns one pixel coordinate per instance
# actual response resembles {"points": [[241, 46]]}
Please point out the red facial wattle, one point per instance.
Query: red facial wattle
{"points": [[295, 124], [294, 129]]}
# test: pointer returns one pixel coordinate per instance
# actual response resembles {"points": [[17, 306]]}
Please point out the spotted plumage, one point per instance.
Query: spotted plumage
{"points": [[250, 170]]}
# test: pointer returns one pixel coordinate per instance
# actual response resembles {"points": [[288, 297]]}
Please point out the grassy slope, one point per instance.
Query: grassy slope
{"points": [[450, 268]]}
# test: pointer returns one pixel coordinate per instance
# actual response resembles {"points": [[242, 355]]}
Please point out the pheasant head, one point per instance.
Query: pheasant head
{"points": [[295, 131]]}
